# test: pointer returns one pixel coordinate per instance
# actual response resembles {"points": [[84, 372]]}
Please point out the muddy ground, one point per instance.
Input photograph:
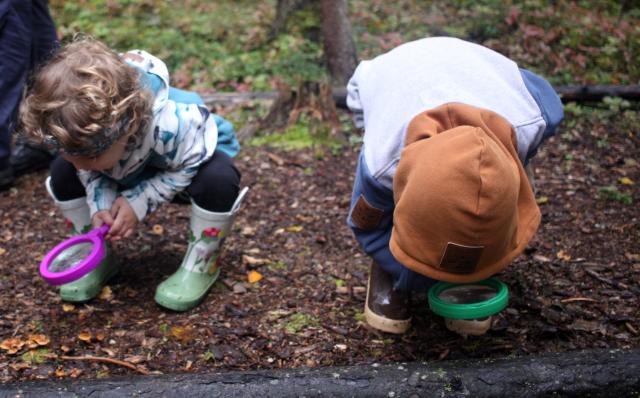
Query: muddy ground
{"points": [[576, 286]]}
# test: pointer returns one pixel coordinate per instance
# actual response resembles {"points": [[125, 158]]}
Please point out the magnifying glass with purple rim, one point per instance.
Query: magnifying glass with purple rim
{"points": [[75, 257]]}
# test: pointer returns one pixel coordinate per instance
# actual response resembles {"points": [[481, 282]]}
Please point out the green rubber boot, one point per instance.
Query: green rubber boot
{"points": [[76, 213], [200, 266]]}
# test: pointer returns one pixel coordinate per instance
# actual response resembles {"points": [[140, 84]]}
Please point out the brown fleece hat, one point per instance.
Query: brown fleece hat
{"points": [[464, 207]]}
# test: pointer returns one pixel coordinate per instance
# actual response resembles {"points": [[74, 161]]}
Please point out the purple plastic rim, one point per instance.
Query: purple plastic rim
{"points": [[87, 265]]}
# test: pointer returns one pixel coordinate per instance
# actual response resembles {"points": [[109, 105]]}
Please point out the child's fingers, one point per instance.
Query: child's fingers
{"points": [[116, 227]]}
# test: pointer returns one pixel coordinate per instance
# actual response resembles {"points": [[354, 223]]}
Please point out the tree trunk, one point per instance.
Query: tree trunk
{"points": [[339, 48], [284, 8], [309, 98]]}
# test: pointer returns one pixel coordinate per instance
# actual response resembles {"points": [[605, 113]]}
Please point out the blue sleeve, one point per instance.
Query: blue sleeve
{"points": [[374, 241], [227, 140], [549, 103]]}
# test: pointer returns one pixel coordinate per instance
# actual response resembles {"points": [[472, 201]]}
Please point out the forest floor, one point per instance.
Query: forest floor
{"points": [[576, 286]]}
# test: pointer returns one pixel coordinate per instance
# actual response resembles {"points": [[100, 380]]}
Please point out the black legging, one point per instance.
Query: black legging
{"points": [[215, 187]]}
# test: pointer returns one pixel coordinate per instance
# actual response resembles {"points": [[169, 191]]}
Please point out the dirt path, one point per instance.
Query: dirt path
{"points": [[576, 286]]}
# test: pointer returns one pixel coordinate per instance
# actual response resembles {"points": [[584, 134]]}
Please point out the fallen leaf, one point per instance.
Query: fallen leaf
{"points": [[39, 339], [65, 348], [254, 276], [542, 200], [341, 347], [182, 333], [100, 336], [295, 228], [135, 359], [342, 290], [60, 372], [541, 258], [239, 288], [12, 345], [85, 336], [105, 293], [253, 261], [359, 290], [68, 307], [248, 231], [623, 181], [2, 251], [109, 351], [563, 256], [157, 229], [276, 159], [20, 366], [75, 372]]}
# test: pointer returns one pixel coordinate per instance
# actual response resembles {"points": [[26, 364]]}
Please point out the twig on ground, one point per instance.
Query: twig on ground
{"points": [[105, 359]]}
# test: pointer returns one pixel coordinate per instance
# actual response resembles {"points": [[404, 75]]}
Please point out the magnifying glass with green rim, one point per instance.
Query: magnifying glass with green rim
{"points": [[468, 307]]}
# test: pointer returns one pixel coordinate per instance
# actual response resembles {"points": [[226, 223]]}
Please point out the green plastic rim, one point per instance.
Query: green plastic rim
{"points": [[469, 311]]}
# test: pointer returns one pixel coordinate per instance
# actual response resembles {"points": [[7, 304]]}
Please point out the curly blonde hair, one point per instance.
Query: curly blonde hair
{"points": [[84, 99]]}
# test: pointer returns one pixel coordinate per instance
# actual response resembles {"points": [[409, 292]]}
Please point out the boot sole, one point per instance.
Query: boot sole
{"points": [[382, 323]]}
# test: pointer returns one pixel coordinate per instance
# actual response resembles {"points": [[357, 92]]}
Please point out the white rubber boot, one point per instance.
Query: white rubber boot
{"points": [[76, 214], [199, 268]]}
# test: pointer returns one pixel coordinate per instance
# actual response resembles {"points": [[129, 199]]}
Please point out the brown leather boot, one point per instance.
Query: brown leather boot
{"points": [[386, 309]]}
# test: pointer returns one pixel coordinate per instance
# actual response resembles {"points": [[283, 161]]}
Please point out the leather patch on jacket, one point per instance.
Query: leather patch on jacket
{"points": [[460, 259], [365, 216]]}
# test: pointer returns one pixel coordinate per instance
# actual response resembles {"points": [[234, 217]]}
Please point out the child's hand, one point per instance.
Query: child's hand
{"points": [[125, 219], [101, 217]]}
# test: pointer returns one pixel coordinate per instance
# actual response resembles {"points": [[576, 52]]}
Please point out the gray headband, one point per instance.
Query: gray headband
{"points": [[99, 142]]}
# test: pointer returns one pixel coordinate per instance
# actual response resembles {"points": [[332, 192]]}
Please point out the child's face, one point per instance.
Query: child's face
{"points": [[104, 161]]}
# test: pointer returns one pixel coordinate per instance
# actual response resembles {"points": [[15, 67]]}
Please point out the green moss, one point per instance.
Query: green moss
{"points": [[299, 321]]}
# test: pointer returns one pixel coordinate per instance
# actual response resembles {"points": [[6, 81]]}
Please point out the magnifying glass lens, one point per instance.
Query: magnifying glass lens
{"points": [[468, 294], [71, 256]]}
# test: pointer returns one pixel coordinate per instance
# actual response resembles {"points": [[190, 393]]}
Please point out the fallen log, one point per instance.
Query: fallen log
{"points": [[592, 373], [576, 93]]}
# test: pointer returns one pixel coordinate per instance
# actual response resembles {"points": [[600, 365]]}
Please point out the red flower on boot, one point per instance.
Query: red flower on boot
{"points": [[212, 232]]}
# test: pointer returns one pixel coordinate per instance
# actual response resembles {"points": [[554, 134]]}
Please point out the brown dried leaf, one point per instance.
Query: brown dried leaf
{"points": [[12, 345], [253, 261], [106, 294], [39, 339], [108, 351], [85, 336], [20, 366], [68, 307], [563, 256], [135, 359], [75, 372], [183, 333]]}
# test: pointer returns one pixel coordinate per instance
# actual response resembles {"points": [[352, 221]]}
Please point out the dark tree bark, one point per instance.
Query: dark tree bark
{"points": [[339, 48], [284, 8], [309, 98]]}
